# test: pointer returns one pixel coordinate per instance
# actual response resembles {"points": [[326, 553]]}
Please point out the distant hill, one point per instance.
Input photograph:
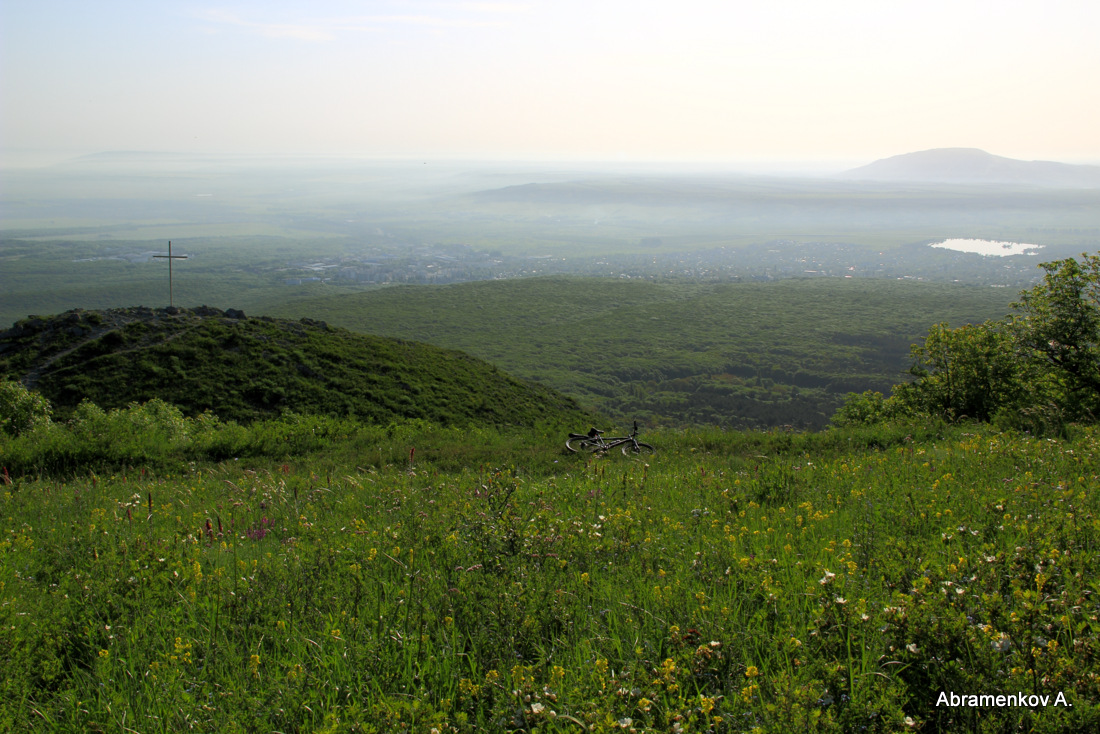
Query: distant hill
{"points": [[970, 165], [248, 368]]}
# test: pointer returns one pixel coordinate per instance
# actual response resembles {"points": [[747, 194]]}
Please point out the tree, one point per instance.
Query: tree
{"points": [[1059, 324], [968, 372]]}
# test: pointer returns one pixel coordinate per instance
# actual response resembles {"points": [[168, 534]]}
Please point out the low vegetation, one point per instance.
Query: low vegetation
{"points": [[342, 578]]}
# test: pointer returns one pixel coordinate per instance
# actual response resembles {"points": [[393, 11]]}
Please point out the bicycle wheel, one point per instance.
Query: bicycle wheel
{"points": [[582, 444], [637, 448]]}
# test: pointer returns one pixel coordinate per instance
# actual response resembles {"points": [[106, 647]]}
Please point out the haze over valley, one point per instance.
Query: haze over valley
{"points": [[331, 239], [345, 157]]}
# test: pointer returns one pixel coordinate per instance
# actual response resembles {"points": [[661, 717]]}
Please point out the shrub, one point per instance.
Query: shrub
{"points": [[861, 409], [20, 409]]}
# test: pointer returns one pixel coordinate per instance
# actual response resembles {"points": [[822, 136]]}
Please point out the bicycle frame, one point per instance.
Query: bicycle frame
{"points": [[594, 442]]}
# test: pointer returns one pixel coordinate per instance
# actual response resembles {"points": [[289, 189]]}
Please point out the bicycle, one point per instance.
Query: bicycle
{"points": [[595, 443]]}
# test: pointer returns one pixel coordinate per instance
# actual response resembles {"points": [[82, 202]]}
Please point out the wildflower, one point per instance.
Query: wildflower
{"points": [[829, 576], [912, 647], [183, 651], [752, 671]]}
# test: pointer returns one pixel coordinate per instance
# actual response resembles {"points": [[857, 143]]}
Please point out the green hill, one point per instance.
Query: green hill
{"points": [[245, 368]]}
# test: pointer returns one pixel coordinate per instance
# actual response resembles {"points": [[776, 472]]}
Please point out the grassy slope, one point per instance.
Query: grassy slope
{"points": [[243, 369], [742, 355], [832, 582]]}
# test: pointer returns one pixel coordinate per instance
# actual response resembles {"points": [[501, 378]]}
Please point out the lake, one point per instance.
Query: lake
{"points": [[989, 248]]}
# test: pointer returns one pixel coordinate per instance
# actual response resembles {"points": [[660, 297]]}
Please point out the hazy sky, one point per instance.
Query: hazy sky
{"points": [[848, 80]]}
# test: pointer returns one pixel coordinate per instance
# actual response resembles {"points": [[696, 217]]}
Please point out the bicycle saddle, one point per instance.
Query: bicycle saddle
{"points": [[592, 433]]}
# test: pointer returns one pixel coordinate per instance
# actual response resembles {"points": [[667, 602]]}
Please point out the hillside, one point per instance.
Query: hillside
{"points": [[831, 582], [248, 368], [741, 355], [971, 165]]}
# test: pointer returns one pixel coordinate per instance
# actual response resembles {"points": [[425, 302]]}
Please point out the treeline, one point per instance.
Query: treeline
{"points": [[1037, 369]]}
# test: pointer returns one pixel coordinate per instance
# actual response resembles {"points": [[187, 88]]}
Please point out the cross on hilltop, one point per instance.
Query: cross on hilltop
{"points": [[170, 257]]}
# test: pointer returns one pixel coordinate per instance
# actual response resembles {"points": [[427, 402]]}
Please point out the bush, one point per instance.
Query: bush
{"points": [[862, 409], [20, 409]]}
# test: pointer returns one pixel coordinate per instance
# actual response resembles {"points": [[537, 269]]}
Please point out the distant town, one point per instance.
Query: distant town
{"points": [[779, 259]]}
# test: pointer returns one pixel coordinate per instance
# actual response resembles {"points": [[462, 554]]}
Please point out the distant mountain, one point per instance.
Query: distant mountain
{"points": [[970, 165], [244, 368]]}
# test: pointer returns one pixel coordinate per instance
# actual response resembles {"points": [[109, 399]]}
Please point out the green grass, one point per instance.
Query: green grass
{"points": [[490, 581]]}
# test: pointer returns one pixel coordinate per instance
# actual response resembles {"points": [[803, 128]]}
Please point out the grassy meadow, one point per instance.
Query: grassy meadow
{"points": [[330, 576]]}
